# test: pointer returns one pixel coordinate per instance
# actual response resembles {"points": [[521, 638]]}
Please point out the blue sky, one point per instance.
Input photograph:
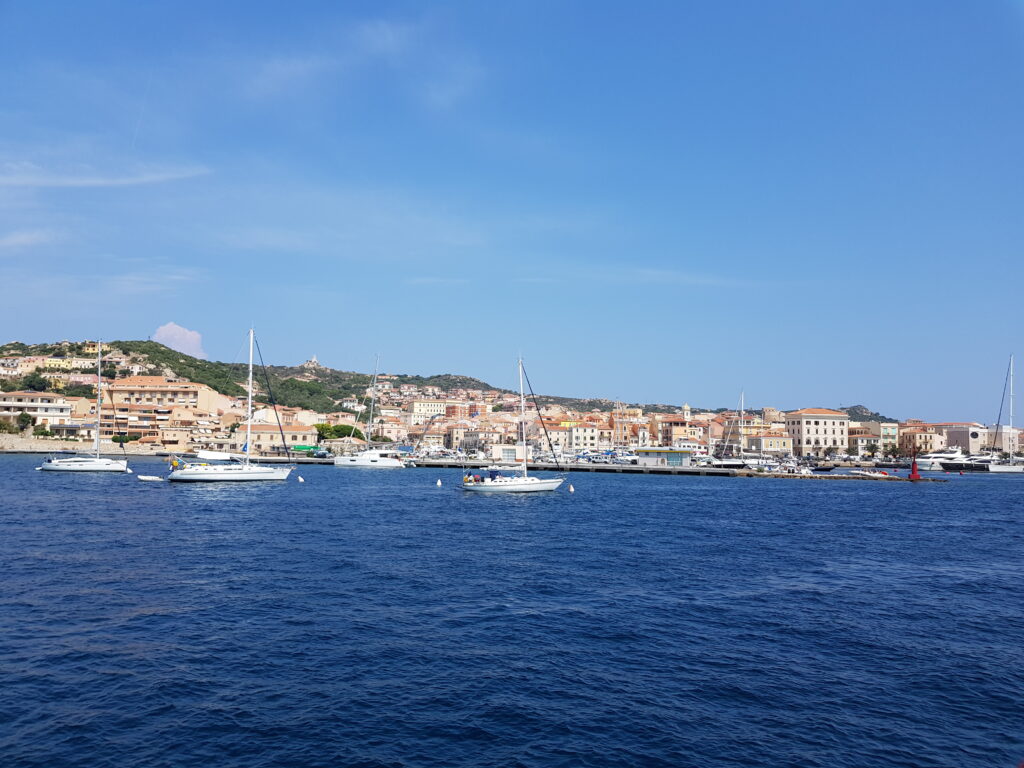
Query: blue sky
{"points": [[819, 203]]}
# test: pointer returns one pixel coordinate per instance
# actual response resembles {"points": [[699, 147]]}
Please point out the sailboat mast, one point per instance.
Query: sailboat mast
{"points": [[1013, 435], [373, 402], [740, 440], [522, 414], [248, 403], [99, 397]]}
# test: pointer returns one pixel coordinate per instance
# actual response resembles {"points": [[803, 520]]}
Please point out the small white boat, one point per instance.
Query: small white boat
{"points": [[878, 474], [95, 462], [150, 478]]}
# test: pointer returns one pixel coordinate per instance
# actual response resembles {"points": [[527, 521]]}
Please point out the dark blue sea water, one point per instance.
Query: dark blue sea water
{"points": [[372, 619]]}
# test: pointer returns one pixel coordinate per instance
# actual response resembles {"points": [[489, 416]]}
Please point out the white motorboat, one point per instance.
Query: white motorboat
{"points": [[234, 467], [492, 481], [876, 474], [95, 462], [372, 458]]}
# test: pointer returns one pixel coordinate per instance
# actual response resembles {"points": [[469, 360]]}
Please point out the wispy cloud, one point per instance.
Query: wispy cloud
{"points": [[157, 279], [451, 83], [437, 281], [35, 177], [674, 276], [26, 238], [282, 74], [385, 38]]}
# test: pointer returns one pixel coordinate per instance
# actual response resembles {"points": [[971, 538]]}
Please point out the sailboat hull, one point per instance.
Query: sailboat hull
{"points": [[513, 485], [85, 464], [1006, 468], [226, 473]]}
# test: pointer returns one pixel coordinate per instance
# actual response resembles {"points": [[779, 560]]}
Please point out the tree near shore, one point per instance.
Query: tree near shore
{"points": [[25, 420], [34, 382]]}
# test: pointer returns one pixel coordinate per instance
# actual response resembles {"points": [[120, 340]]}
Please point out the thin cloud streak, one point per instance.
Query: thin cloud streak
{"points": [[74, 181], [26, 238]]}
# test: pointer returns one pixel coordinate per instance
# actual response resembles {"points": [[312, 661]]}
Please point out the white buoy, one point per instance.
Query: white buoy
{"points": [[571, 489], [439, 482], [300, 478]]}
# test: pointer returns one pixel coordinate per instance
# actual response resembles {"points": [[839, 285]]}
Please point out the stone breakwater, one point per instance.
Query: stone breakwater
{"points": [[20, 444]]}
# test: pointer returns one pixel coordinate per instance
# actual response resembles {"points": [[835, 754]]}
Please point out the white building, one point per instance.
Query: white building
{"points": [[45, 408], [817, 430]]}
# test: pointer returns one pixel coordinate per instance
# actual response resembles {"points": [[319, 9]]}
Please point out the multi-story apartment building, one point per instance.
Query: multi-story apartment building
{"points": [[92, 347], [266, 438], [886, 433], [777, 443], [15, 367], [584, 437], [970, 436], [423, 410], [68, 363], [45, 408], [816, 431], [917, 437], [157, 391]]}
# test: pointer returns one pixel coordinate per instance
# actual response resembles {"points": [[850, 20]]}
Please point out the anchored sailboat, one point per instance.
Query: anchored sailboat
{"points": [[241, 467], [1011, 465], [95, 462], [492, 481], [372, 458]]}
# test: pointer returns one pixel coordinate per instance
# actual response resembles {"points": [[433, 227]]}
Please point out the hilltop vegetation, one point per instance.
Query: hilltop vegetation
{"points": [[317, 388], [863, 413], [222, 377]]}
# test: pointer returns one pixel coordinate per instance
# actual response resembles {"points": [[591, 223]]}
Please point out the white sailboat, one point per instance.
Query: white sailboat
{"points": [[240, 468], [1010, 466], [372, 458], [492, 481], [95, 462]]}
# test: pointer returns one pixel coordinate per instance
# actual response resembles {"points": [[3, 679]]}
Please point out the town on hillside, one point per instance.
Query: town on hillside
{"points": [[52, 397]]}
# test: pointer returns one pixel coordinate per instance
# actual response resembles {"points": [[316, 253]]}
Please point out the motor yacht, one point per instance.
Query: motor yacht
{"points": [[932, 462]]}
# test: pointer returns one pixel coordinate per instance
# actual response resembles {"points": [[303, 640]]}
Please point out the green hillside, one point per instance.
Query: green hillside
{"points": [[319, 389]]}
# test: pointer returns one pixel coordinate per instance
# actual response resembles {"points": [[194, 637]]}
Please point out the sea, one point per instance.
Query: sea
{"points": [[371, 618]]}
